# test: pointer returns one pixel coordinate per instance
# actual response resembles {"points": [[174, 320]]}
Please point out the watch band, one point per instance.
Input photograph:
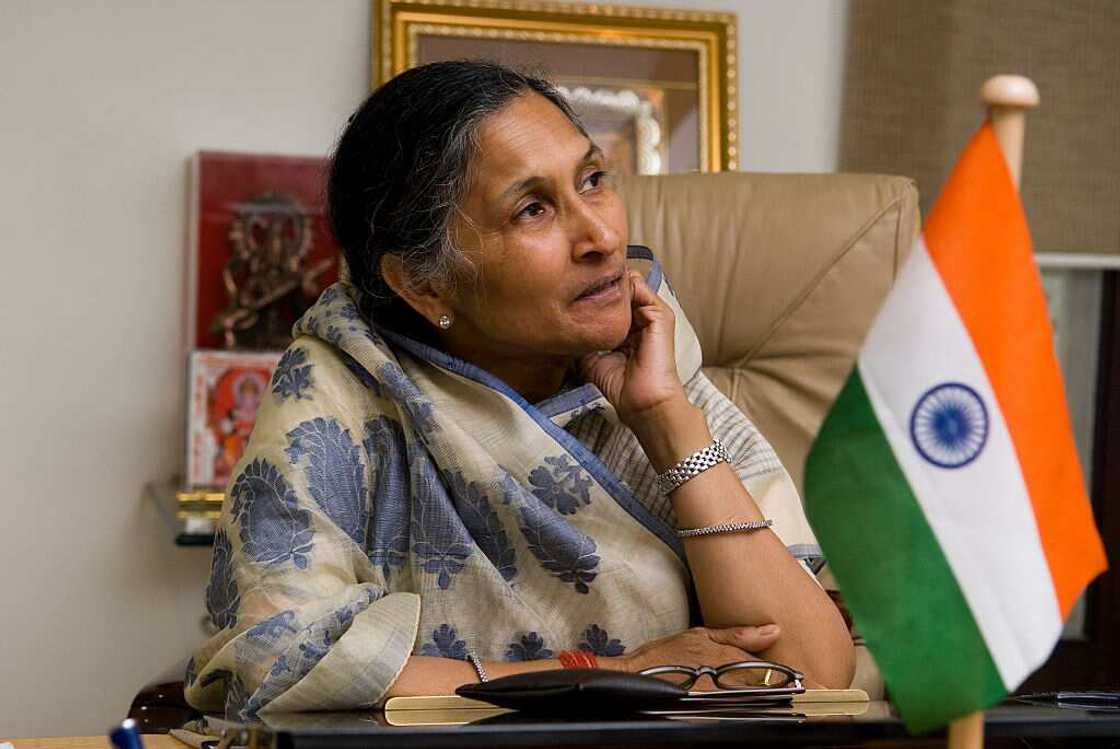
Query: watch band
{"points": [[692, 466]]}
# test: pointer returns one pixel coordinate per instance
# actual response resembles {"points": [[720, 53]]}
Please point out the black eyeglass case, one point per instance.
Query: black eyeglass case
{"points": [[579, 691]]}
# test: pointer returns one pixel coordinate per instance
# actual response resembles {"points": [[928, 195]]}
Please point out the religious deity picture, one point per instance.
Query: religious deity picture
{"points": [[261, 250], [225, 388]]}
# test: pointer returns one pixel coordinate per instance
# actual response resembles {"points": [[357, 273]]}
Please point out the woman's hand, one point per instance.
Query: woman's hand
{"points": [[640, 376], [699, 646], [640, 380]]}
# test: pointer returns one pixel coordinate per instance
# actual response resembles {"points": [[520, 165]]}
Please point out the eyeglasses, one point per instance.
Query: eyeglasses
{"points": [[744, 677]]}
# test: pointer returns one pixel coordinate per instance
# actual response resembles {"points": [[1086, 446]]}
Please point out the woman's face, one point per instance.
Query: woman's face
{"points": [[547, 235]]}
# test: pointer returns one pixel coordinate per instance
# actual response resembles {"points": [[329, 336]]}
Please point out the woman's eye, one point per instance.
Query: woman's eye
{"points": [[595, 179], [531, 211]]}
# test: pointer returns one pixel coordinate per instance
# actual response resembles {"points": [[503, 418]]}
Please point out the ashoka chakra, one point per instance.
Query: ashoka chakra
{"points": [[949, 425]]}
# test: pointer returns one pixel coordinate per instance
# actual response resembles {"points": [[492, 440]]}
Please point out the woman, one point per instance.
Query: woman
{"points": [[454, 474]]}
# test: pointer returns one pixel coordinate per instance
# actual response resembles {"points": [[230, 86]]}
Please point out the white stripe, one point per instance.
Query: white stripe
{"points": [[981, 512]]}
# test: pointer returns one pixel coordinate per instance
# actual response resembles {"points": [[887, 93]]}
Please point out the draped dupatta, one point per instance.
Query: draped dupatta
{"points": [[395, 500]]}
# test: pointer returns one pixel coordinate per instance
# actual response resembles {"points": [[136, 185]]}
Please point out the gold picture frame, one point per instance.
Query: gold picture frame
{"points": [[676, 55]]}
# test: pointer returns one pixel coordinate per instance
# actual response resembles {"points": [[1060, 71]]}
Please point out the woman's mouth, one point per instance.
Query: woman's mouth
{"points": [[605, 290]]}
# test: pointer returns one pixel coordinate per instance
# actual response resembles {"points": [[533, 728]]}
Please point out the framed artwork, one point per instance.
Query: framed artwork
{"points": [[224, 389], [261, 249], [657, 88]]}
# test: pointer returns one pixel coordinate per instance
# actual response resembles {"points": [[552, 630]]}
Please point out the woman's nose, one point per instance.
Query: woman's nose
{"points": [[591, 232]]}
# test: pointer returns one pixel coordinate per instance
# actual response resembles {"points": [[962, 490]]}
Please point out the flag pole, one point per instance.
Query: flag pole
{"points": [[967, 732], [1007, 97]]}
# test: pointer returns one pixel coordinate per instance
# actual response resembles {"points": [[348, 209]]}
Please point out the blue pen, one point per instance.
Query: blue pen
{"points": [[126, 735]]}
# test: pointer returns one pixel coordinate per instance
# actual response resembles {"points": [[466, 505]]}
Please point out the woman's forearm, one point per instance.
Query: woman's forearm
{"points": [[746, 578]]}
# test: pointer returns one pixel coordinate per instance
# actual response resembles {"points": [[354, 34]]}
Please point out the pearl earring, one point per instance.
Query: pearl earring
{"points": [[445, 321]]}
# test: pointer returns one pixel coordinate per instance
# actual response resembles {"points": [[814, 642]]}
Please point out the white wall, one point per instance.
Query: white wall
{"points": [[102, 105], [791, 68]]}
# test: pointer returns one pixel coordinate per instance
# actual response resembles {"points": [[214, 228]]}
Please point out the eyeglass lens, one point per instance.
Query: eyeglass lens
{"points": [[729, 676], [737, 677]]}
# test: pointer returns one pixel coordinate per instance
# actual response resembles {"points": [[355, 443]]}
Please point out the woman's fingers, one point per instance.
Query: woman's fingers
{"points": [[605, 370], [641, 293], [642, 372], [701, 646], [750, 639], [646, 303]]}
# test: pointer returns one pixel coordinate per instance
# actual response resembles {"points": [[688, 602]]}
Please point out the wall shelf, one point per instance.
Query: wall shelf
{"points": [[191, 516]]}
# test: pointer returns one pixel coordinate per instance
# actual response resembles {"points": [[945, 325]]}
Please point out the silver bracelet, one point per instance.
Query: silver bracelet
{"points": [[709, 530], [692, 466], [482, 676]]}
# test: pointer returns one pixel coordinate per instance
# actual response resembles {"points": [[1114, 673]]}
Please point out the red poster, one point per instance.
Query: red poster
{"points": [[232, 187]]}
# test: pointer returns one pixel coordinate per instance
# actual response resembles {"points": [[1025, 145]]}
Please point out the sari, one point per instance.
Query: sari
{"points": [[394, 500]]}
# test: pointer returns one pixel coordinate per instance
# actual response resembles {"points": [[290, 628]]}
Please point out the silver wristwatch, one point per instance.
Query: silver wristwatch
{"points": [[692, 466]]}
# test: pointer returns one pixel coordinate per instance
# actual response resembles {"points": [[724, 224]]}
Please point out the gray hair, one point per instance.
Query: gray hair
{"points": [[401, 170]]}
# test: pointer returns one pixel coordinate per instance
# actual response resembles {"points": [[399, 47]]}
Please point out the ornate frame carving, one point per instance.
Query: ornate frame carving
{"points": [[396, 24]]}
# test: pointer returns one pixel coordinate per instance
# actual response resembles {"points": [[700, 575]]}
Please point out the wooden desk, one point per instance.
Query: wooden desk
{"points": [[151, 741]]}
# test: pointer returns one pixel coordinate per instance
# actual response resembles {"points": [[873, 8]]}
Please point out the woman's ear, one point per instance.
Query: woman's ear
{"points": [[421, 295]]}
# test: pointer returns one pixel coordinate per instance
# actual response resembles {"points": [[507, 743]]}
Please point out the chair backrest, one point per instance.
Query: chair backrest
{"points": [[781, 276]]}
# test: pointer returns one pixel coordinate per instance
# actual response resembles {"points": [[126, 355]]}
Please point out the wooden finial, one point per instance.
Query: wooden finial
{"points": [[1009, 91], [1008, 97]]}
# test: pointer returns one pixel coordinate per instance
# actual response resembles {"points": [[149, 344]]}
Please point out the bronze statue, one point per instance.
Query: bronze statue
{"points": [[266, 280]]}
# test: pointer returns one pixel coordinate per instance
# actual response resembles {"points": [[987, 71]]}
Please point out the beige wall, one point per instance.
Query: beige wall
{"points": [[102, 105]]}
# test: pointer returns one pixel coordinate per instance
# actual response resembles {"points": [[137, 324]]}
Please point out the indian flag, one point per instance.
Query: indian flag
{"points": [[944, 485]]}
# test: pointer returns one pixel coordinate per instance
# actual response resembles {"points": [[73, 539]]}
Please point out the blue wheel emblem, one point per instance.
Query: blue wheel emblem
{"points": [[949, 425]]}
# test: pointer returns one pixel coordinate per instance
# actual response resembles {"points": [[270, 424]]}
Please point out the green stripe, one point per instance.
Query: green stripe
{"points": [[892, 573]]}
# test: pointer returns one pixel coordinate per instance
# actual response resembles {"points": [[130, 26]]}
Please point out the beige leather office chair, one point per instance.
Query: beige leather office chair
{"points": [[781, 276]]}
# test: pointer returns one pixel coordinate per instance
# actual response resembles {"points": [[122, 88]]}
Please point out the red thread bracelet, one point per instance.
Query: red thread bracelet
{"points": [[578, 659], [569, 659]]}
